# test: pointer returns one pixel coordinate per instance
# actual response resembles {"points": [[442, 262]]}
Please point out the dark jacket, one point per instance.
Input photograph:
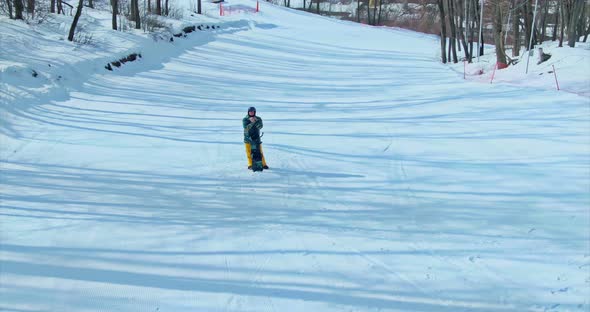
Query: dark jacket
{"points": [[252, 129]]}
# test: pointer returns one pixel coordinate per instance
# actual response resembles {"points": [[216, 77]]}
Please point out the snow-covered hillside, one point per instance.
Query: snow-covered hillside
{"points": [[394, 184]]}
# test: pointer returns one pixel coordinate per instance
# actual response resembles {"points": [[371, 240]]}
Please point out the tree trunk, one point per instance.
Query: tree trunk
{"points": [[18, 9], [545, 8], [375, 12], [453, 38], [115, 5], [31, 7], [481, 49], [9, 4], [51, 6], [135, 5], [443, 31], [515, 29], [358, 11], [380, 11], [564, 22], [460, 30], [318, 6], [498, 34], [554, 35], [60, 8], [572, 36], [479, 26], [467, 27], [159, 7], [587, 32], [75, 22], [131, 10], [449, 49], [91, 4], [369, 12], [581, 24], [199, 7], [167, 9], [473, 27], [528, 23], [458, 23]]}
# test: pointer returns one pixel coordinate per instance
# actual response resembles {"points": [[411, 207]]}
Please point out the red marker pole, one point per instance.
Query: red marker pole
{"points": [[555, 74], [220, 9], [257, 6], [494, 73]]}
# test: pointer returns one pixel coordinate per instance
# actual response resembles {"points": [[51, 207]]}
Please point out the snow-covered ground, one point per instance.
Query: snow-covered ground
{"points": [[566, 70], [395, 185]]}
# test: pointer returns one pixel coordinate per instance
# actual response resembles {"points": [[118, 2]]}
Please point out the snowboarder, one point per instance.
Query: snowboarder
{"points": [[252, 125]]}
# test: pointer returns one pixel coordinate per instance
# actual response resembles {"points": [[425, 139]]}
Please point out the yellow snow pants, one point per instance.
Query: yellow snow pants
{"points": [[249, 154]]}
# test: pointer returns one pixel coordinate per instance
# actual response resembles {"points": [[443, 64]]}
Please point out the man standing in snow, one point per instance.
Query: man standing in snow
{"points": [[252, 125]]}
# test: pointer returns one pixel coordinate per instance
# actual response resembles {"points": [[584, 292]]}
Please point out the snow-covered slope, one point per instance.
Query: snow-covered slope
{"points": [[394, 184]]}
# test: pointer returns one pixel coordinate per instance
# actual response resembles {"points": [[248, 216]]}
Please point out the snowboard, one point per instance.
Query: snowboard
{"points": [[256, 158], [255, 149]]}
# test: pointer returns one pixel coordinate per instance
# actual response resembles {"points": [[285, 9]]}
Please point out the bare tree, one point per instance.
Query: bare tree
{"points": [[358, 10], [543, 21], [115, 5], [131, 10], [453, 32], [199, 11], [498, 33], [31, 7], [375, 12], [9, 4], [461, 8], [135, 13], [75, 22], [18, 9], [557, 12], [587, 32], [572, 28], [159, 7], [581, 21], [443, 31], [380, 12], [91, 4], [369, 12], [564, 21], [474, 25], [528, 23], [515, 29], [580, 25], [479, 24]]}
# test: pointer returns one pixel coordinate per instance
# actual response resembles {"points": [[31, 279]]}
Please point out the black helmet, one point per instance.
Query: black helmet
{"points": [[252, 109]]}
